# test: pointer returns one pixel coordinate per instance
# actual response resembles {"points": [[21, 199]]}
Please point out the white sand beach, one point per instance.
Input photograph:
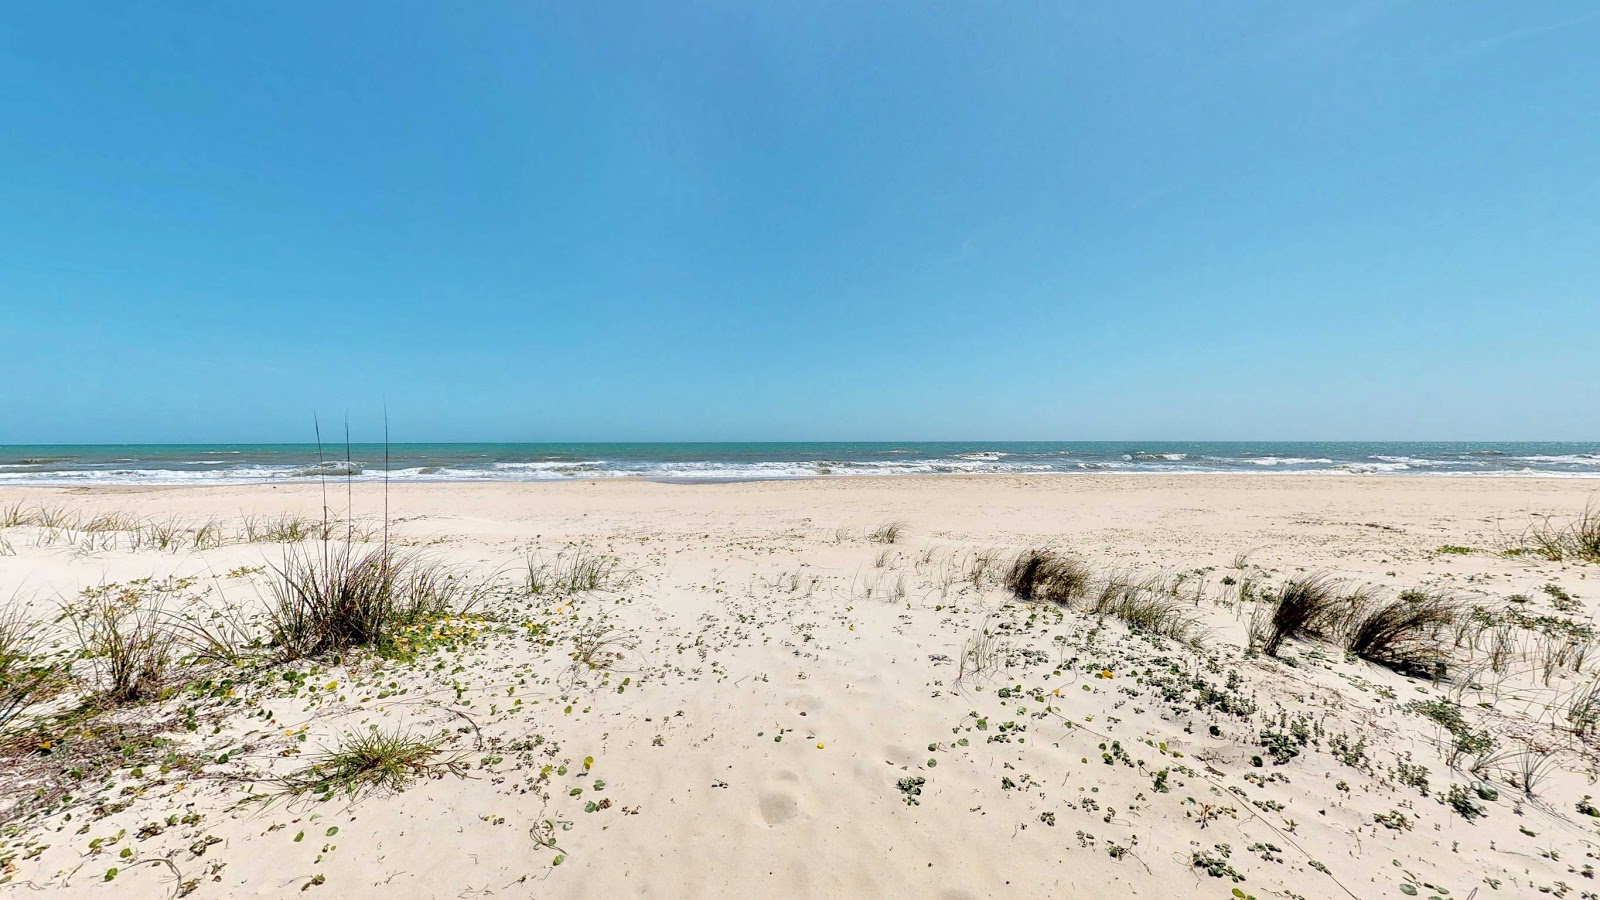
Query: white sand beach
{"points": [[767, 697]]}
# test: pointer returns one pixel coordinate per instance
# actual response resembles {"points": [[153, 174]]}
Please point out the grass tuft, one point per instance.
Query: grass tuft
{"points": [[24, 679], [1576, 541], [122, 633], [1147, 607], [1411, 633], [1309, 606], [1048, 575], [887, 533], [338, 598], [571, 573], [370, 760]]}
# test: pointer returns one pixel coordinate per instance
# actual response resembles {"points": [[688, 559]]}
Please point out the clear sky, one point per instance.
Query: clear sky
{"points": [[806, 220]]}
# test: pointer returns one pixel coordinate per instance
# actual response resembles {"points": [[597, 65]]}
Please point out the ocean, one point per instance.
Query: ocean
{"points": [[258, 463]]}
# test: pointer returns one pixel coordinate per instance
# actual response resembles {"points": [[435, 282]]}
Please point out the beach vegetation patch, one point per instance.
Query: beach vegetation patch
{"points": [[1310, 606], [121, 631], [1147, 607], [337, 597], [887, 533], [1048, 575], [363, 761], [574, 572], [1408, 633]]}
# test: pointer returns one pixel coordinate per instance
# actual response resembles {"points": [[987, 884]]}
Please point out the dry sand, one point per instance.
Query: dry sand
{"points": [[773, 705]]}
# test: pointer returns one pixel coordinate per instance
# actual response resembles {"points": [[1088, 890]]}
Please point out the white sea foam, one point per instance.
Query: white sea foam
{"points": [[1275, 460]]}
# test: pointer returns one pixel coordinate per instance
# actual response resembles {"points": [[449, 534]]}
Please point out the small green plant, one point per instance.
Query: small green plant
{"points": [[1215, 862], [1459, 800], [370, 760]]}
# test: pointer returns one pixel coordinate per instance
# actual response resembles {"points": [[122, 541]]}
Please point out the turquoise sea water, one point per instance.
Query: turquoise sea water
{"points": [[252, 463]]}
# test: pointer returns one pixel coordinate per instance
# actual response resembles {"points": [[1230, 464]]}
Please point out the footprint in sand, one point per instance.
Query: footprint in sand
{"points": [[778, 808]]}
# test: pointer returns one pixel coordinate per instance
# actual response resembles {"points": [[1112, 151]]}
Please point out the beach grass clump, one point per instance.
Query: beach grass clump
{"points": [[1305, 607], [111, 521], [24, 677], [13, 515], [1048, 575], [1410, 633], [583, 569], [120, 629], [336, 598], [53, 517], [1582, 709], [887, 533], [369, 760], [1575, 541], [286, 528], [170, 533], [1146, 606], [208, 535]]}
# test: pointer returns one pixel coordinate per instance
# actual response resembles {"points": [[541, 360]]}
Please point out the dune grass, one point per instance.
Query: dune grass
{"points": [[1410, 632], [1309, 606], [1145, 606], [13, 515], [579, 570], [887, 533], [335, 597], [1048, 575], [24, 678], [1576, 541], [363, 761], [121, 631]]}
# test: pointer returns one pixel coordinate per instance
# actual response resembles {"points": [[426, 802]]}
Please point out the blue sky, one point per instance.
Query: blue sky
{"points": [[589, 221]]}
